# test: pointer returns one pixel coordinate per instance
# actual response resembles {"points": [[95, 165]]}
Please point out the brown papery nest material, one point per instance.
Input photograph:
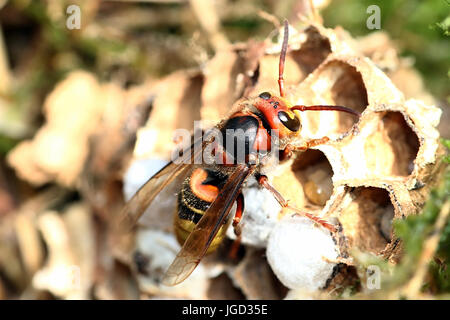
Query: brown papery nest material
{"points": [[374, 170]]}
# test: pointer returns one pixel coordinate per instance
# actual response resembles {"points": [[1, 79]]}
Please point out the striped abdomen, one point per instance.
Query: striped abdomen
{"points": [[198, 191]]}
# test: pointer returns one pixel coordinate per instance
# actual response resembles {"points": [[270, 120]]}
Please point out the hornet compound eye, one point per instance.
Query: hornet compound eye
{"points": [[292, 124]]}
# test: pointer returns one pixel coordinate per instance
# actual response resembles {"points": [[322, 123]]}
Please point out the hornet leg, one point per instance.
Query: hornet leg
{"points": [[237, 228], [262, 180], [287, 152]]}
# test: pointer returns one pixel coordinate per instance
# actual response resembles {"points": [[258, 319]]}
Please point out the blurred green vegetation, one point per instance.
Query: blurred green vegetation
{"points": [[420, 29], [415, 230]]}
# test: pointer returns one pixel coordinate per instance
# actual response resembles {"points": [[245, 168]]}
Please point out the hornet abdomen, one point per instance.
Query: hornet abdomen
{"points": [[198, 191]]}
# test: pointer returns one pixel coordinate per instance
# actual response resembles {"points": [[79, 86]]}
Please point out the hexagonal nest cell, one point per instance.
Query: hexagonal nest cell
{"points": [[312, 52], [368, 218], [404, 142], [348, 90]]}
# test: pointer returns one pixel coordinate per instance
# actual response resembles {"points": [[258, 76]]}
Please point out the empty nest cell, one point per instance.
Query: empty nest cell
{"points": [[298, 65], [222, 287], [256, 279], [367, 220], [403, 141], [312, 52], [340, 84], [314, 172], [349, 91]]}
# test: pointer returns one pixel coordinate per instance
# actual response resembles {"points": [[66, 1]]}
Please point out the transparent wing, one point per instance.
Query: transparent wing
{"points": [[137, 205], [206, 229]]}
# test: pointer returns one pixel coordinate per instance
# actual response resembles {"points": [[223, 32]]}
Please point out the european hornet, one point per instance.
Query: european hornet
{"points": [[208, 192]]}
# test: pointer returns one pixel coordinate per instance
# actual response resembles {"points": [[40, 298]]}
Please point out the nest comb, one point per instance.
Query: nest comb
{"points": [[373, 170]]}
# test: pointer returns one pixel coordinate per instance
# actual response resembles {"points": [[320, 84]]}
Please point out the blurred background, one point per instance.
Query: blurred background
{"points": [[127, 44]]}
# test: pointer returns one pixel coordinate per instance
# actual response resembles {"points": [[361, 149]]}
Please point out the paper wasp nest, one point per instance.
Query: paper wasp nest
{"points": [[373, 170]]}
